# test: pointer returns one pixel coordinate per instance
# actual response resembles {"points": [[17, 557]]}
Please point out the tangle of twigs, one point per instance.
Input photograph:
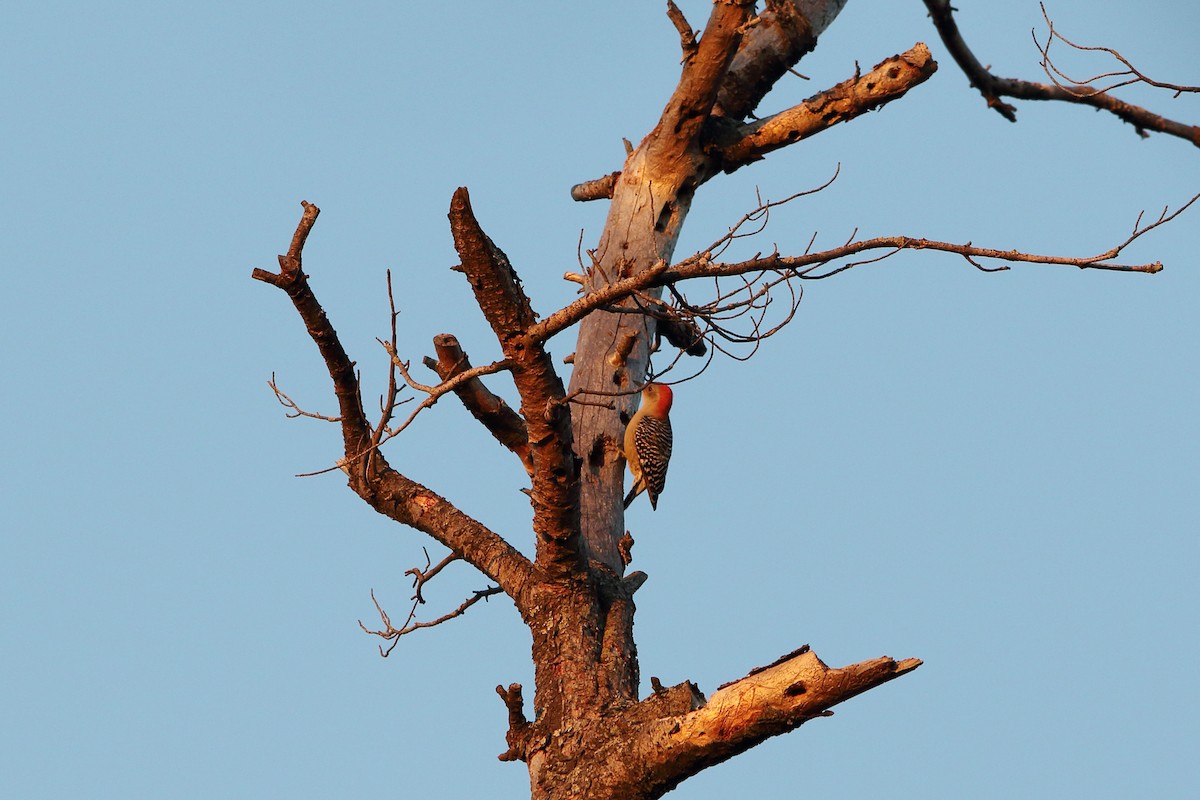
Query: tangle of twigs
{"points": [[1100, 83], [420, 577]]}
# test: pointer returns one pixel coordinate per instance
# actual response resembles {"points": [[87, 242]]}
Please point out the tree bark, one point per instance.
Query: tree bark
{"points": [[650, 201]]}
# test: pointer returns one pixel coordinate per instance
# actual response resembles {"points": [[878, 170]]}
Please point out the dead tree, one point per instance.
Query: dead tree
{"points": [[590, 733]]}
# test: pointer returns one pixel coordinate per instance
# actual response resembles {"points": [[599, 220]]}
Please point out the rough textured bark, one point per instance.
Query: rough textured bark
{"points": [[650, 201]]}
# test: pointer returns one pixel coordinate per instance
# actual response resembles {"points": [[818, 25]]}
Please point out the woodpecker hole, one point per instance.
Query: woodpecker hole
{"points": [[664, 217], [596, 454]]}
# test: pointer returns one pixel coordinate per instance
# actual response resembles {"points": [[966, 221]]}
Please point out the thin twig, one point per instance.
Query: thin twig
{"points": [[296, 410], [993, 87], [393, 633], [1125, 77]]}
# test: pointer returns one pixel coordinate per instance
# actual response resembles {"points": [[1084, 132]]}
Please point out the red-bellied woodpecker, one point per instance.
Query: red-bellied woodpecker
{"points": [[648, 444]]}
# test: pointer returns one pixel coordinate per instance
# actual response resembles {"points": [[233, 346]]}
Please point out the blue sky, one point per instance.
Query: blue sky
{"points": [[995, 473]]}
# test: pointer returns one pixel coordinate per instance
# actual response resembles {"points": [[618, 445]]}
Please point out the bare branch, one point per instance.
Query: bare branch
{"points": [[356, 432], [680, 329], [692, 101], [393, 634], [993, 88], [423, 576], [387, 491], [767, 52], [734, 147], [687, 36], [490, 409], [605, 295], [296, 410], [808, 266], [1087, 86], [676, 732], [518, 725], [555, 476], [388, 408], [767, 702], [890, 80], [805, 266], [595, 189], [690, 105]]}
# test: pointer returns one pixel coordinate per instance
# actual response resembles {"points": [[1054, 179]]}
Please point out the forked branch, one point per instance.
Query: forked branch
{"points": [[387, 491], [733, 147], [356, 431], [392, 634], [993, 88], [1102, 82], [294, 410]]}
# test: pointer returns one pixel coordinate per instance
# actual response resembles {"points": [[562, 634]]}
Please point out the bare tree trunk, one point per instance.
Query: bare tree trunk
{"points": [[650, 201]]}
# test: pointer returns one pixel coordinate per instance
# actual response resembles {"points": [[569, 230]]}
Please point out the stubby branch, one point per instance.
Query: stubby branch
{"points": [[490, 409]]}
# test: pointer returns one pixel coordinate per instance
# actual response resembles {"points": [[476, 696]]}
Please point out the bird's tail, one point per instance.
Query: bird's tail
{"points": [[634, 491]]}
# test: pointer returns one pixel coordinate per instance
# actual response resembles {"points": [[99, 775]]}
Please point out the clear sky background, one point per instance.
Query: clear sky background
{"points": [[996, 473]]}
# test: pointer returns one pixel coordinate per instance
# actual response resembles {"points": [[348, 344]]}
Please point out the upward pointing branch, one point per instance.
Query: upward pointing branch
{"points": [[555, 476], [356, 431]]}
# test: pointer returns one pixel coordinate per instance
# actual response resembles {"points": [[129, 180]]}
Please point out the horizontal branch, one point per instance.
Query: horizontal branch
{"points": [[993, 88], [596, 189], [393, 634], [890, 80], [805, 266], [650, 747]]}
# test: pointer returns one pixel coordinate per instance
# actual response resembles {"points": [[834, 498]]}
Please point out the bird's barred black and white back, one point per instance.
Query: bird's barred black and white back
{"points": [[653, 440]]}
